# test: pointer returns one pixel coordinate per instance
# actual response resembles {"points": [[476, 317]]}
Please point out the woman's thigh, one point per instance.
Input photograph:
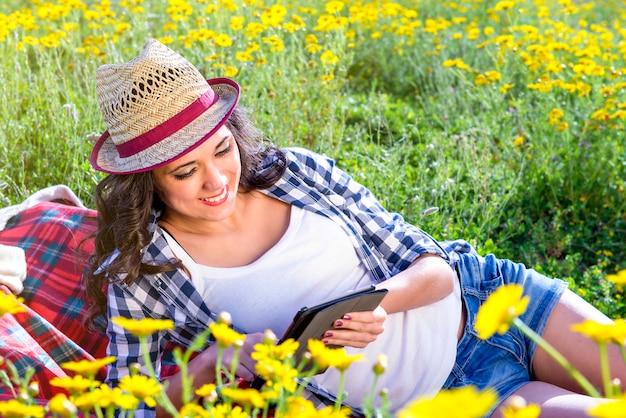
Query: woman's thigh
{"points": [[577, 348]]}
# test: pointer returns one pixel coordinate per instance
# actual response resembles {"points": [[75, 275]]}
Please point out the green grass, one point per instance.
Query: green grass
{"points": [[419, 133]]}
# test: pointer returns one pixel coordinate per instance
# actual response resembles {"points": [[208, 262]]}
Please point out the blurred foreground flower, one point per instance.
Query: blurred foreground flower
{"points": [[15, 409], [500, 309], [87, 368], [62, 406], [619, 278], [464, 402], [614, 332], [225, 335], [337, 358], [246, 397], [10, 304], [610, 409], [144, 327], [142, 387]]}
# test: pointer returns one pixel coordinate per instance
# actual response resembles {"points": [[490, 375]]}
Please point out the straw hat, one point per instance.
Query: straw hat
{"points": [[157, 108]]}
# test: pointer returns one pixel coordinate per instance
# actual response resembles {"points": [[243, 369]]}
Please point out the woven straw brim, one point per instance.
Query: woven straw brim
{"points": [[106, 158]]}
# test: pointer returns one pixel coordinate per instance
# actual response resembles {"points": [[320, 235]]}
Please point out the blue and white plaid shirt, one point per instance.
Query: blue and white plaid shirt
{"points": [[384, 242]]}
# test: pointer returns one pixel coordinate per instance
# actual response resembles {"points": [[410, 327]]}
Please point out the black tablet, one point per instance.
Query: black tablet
{"points": [[313, 322]]}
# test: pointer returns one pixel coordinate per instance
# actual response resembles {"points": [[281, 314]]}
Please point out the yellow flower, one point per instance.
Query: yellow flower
{"points": [[223, 40], [457, 62], [141, 387], [192, 410], [493, 76], [614, 332], [518, 142], [504, 5], [609, 409], [10, 304], [144, 327], [106, 397], [331, 357], [500, 309], [600, 114], [619, 278], [231, 71], [310, 39], [236, 22], [275, 43], [481, 80], [87, 368], [329, 412], [74, 385], [208, 390], [279, 372], [298, 407], [60, 405], [250, 397], [334, 6], [562, 126], [555, 116], [281, 351], [15, 409], [328, 57], [464, 402], [313, 48], [228, 411], [505, 88], [243, 56], [225, 335]]}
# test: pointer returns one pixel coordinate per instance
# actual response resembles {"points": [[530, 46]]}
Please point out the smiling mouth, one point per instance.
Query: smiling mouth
{"points": [[216, 199]]}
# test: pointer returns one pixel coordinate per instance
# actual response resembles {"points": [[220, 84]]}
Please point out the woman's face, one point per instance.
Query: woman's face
{"points": [[202, 184]]}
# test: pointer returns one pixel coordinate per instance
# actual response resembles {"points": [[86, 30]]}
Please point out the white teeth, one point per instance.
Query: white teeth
{"points": [[217, 198]]}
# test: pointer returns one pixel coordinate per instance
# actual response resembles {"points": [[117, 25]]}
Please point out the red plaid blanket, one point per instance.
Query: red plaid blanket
{"points": [[50, 332], [56, 240]]}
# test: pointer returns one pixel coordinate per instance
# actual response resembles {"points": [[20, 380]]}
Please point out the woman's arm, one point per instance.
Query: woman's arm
{"points": [[427, 280]]}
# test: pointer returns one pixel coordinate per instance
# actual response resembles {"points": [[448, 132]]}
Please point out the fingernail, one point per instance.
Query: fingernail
{"points": [[346, 316], [328, 334], [338, 323]]}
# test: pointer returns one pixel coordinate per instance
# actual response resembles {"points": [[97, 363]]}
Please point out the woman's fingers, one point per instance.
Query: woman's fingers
{"points": [[357, 329]]}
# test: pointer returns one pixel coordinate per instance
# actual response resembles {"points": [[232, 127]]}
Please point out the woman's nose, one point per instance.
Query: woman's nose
{"points": [[214, 179]]}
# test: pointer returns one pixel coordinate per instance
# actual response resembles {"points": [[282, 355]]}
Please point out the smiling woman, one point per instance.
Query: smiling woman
{"points": [[199, 215]]}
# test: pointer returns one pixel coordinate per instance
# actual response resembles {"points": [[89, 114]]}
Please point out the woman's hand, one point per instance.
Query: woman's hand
{"points": [[357, 329]]}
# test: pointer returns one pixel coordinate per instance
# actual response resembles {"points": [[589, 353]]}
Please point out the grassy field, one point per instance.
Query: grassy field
{"points": [[498, 122]]}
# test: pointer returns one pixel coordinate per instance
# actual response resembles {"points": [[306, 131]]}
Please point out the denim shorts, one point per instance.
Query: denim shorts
{"points": [[502, 362]]}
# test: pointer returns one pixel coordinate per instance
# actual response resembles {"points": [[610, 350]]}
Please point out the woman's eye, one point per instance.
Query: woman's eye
{"points": [[224, 151], [183, 176]]}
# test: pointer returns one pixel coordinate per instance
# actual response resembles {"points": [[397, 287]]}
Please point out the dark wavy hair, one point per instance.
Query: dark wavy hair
{"points": [[124, 203]]}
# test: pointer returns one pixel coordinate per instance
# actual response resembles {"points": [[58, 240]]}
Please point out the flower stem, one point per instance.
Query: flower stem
{"points": [[340, 395], [606, 372], [165, 401], [218, 367], [582, 381], [369, 401]]}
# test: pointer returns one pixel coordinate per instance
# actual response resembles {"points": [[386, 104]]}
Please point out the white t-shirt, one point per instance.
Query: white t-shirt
{"points": [[314, 261]]}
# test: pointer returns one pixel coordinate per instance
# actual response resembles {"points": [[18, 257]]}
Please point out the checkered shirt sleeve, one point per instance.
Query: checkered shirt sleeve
{"points": [[385, 242]]}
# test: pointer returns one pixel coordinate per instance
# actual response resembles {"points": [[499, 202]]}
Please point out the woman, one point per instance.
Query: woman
{"points": [[199, 216]]}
